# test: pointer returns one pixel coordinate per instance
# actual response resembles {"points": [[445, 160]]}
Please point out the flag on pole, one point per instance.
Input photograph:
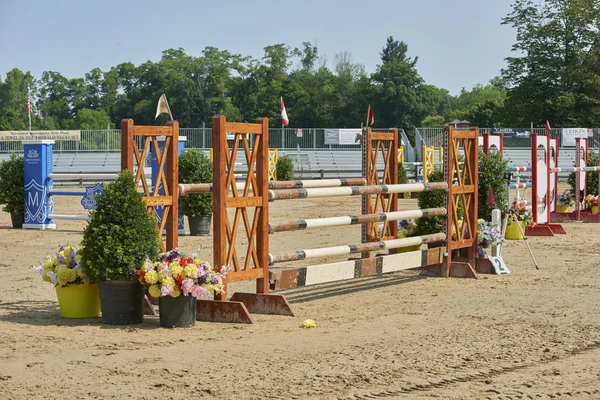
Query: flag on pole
{"points": [[284, 118], [29, 109], [547, 127], [163, 107], [370, 117]]}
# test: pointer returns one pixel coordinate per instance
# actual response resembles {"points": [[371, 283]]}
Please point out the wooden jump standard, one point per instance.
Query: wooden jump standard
{"points": [[254, 194]]}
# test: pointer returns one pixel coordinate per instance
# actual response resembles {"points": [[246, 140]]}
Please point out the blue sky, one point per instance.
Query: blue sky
{"points": [[459, 42]]}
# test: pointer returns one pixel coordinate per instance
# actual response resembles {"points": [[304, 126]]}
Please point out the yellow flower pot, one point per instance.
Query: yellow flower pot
{"points": [[78, 301], [594, 210], [512, 230], [562, 209]]}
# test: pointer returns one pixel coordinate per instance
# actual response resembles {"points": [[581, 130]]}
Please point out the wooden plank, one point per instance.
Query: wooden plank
{"points": [[152, 201], [237, 127], [344, 270], [152, 130], [232, 202], [244, 275], [381, 136]]}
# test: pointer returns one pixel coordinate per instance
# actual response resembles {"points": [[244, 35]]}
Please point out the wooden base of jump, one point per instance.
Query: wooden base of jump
{"points": [[458, 269], [239, 307], [285, 278], [584, 216], [545, 230]]}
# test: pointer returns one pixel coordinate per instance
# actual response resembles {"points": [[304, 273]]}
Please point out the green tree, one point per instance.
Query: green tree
{"points": [[397, 79], [555, 74]]}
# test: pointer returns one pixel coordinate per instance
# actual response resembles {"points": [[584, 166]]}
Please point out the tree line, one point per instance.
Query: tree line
{"points": [[553, 75]]}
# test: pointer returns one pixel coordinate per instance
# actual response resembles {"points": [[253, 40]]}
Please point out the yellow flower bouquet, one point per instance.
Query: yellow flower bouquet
{"points": [[175, 274], [63, 269]]}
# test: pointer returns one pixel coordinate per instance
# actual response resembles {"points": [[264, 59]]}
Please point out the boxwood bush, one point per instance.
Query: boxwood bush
{"points": [[120, 234]]}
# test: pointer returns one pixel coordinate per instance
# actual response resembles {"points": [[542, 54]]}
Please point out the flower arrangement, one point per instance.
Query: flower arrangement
{"points": [[565, 199], [487, 235], [591, 201], [63, 269], [405, 227], [176, 274], [519, 212]]}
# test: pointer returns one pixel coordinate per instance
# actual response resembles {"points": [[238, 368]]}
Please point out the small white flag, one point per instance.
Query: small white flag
{"points": [[284, 118], [163, 107]]}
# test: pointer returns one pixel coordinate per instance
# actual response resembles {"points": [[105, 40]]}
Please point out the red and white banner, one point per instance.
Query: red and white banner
{"points": [[284, 118]]}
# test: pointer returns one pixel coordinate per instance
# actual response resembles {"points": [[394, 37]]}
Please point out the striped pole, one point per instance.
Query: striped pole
{"points": [[357, 248], [317, 183], [354, 190], [520, 185], [576, 169], [519, 169], [353, 220]]}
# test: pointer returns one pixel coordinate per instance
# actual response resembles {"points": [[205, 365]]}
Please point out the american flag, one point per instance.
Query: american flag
{"points": [[29, 105]]}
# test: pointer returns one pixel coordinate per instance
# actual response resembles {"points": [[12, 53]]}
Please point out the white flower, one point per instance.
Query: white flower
{"points": [[53, 277], [39, 269]]}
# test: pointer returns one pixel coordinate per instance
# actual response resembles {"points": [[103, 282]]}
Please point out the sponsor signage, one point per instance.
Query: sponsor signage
{"points": [[17, 136], [570, 134], [343, 136]]}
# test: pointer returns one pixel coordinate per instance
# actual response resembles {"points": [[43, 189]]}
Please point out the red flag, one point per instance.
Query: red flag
{"points": [[370, 117], [547, 127], [284, 118], [29, 106]]}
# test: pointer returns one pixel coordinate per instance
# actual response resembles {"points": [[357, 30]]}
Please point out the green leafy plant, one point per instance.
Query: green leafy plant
{"points": [[402, 176], [120, 234], [12, 184], [491, 176], [432, 199], [285, 168], [592, 177], [195, 167]]}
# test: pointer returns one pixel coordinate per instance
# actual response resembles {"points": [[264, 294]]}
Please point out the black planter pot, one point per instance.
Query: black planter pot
{"points": [[121, 302], [199, 225], [17, 220], [177, 312]]}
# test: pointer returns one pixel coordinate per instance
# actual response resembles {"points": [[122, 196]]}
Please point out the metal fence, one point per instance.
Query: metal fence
{"points": [[281, 138]]}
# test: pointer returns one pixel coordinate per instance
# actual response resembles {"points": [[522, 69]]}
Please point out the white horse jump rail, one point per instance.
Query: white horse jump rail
{"points": [[353, 220], [71, 217], [353, 249], [354, 190], [318, 183]]}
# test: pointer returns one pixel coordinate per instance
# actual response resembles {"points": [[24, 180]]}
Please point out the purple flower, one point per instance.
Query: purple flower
{"points": [[199, 291], [166, 290], [186, 285]]}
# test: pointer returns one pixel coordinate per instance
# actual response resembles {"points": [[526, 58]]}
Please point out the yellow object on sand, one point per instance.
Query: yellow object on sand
{"points": [[309, 323]]}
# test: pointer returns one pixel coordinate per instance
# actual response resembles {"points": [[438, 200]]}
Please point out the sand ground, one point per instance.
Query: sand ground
{"points": [[530, 334]]}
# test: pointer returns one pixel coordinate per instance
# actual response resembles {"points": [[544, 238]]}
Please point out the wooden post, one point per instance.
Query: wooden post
{"points": [[219, 141], [127, 145], [172, 183], [262, 181]]}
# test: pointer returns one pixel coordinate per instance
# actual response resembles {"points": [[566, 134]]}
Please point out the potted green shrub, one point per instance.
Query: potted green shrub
{"points": [[402, 175], [285, 168], [491, 177], [12, 188], [195, 167], [117, 240]]}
